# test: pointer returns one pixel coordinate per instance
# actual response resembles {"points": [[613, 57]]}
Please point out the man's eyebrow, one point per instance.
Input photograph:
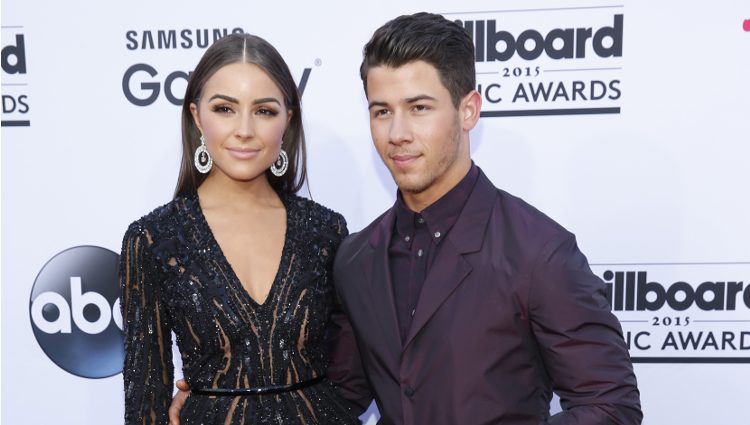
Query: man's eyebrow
{"points": [[376, 103], [418, 98], [412, 99]]}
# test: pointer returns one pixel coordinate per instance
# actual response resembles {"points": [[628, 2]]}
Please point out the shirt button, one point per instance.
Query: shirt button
{"points": [[407, 238], [420, 220], [409, 391], [419, 253], [413, 311], [437, 234]]}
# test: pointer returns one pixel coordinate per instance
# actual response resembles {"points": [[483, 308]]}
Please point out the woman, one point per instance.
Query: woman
{"points": [[237, 265]]}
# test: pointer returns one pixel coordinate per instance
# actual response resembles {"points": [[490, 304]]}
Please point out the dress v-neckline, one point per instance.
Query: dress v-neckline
{"points": [[233, 277]]}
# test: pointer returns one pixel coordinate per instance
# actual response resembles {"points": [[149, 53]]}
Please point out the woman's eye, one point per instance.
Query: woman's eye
{"points": [[267, 111], [223, 109]]}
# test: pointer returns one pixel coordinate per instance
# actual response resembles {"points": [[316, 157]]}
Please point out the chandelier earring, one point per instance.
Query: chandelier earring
{"points": [[279, 167], [202, 159]]}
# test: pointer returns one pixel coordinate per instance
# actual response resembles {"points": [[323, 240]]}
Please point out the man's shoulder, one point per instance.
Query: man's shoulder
{"points": [[512, 211], [356, 241], [526, 219]]}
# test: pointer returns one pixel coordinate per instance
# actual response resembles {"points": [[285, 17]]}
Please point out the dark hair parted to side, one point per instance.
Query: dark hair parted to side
{"points": [[244, 48], [428, 37]]}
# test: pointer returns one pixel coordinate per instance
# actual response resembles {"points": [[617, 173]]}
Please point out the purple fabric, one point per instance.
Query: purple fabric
{"points": [[415, 243], [509, 312]]}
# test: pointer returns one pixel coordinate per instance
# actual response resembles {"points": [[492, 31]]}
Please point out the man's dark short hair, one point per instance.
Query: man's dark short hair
{"points": [[428, 37]]}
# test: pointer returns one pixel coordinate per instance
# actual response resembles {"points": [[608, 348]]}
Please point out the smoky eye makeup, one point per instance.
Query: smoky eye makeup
{"points": [[222, 108]]}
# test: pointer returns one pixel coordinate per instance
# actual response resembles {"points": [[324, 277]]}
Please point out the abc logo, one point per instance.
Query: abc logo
{"points": [[75, 312]]}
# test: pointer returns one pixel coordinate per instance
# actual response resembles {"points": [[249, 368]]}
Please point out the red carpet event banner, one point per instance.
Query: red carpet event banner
{"points": [[626, 122]]}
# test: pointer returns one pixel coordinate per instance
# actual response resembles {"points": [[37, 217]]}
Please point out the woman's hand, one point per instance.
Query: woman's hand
{"points": [[178, 401]]}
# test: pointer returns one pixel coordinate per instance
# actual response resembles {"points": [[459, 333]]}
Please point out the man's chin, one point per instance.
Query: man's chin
{"points": [[408, 181], [410, 186]]}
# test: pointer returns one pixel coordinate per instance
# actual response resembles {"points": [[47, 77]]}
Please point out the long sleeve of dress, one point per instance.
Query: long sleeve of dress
{"points": [[148, 370]]}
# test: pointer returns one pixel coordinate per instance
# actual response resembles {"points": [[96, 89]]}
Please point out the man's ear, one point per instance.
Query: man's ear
{"points": [[469, 110]]}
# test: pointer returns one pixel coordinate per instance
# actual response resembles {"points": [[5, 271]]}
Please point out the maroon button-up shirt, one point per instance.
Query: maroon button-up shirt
{"points": [[417, 237]]}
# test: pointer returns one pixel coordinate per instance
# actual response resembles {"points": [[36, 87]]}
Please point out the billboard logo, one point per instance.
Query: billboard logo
{"points": [[559, 43], [14, 57], [15, 98], [632, 291], [75, 312], [681, 312], [568, 63]]}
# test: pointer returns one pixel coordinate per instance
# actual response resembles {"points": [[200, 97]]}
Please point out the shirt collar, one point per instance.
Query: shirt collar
{"points": [[441, 215]]}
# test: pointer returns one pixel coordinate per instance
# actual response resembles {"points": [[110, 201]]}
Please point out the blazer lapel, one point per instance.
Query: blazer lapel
{"points": [[447, 272], [378, 271], [450, 268]]}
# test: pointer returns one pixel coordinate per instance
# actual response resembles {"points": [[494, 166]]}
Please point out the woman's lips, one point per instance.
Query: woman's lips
{"points": [[241, 153]]}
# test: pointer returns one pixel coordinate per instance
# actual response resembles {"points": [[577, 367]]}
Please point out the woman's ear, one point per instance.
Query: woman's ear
{"points": [[196, 116]]}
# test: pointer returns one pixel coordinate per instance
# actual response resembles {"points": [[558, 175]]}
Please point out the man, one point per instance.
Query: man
{"points": [[467, 305]]}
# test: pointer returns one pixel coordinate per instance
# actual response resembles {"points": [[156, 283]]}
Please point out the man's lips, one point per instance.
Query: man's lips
{"points": [[404, 159]]}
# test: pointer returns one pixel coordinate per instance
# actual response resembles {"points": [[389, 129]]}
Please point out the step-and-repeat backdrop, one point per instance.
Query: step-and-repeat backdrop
{"points": [[628, 122]]}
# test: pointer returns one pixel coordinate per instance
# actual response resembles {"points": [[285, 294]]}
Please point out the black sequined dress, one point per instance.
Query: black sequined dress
{"points": [[174, 277]]}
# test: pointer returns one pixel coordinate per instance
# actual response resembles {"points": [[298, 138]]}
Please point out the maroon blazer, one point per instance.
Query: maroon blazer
{"points": [[509, 313]]}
